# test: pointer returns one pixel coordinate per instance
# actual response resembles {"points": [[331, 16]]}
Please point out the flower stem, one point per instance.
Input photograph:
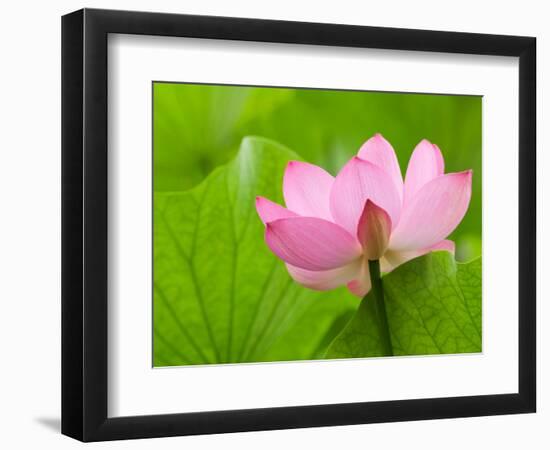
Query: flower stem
{"points": [[380, 306]]}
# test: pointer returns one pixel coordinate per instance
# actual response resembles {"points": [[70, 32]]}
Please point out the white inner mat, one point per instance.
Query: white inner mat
{"points": [[135, 388]]}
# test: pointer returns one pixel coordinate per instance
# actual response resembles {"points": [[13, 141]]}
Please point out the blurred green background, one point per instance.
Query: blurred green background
{"points": [[199, 127]]}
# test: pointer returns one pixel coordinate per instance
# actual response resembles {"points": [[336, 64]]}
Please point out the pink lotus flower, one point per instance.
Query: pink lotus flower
{"points": [[332, 226]]}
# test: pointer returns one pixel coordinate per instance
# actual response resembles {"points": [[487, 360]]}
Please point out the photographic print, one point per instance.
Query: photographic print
{"points": [[318, 210], [306, 224]]}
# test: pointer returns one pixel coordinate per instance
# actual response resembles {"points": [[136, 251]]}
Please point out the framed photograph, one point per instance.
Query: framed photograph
{"points": [[273, 224]]}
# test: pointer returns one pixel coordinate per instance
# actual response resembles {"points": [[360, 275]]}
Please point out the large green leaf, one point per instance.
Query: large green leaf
{"points": [[433, 306], [220, 296]]}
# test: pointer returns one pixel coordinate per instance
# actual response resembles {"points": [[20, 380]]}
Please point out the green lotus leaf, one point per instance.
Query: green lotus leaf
{"points": [[433, 306], [220, 295]]}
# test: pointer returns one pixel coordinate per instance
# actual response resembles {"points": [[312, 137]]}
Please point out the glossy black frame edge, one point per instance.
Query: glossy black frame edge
{"points": [[84, 224]]}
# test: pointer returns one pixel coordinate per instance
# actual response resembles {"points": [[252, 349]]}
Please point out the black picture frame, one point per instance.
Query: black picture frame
{"points": [[84, 224]]}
